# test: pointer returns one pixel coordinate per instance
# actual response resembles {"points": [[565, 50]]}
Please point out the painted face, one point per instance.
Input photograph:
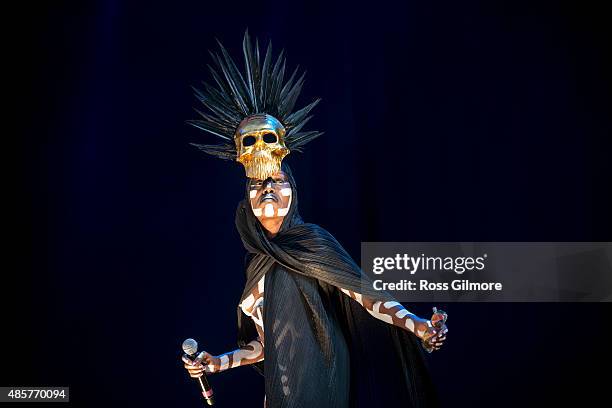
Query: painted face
{"points": [[271, 197]]}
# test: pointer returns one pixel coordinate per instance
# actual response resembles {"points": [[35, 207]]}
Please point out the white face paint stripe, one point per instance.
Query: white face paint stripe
{"points": [[257, 212], [286, 192], [269, 210], [284, 211], [252, 193]]}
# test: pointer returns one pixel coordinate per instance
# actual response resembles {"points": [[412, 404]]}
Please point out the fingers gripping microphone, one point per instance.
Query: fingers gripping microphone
{"points": [[190, 347]]}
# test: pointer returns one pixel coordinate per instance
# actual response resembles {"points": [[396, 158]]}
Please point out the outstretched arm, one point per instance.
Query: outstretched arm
{"points": [[248, 354], [394, 313]]}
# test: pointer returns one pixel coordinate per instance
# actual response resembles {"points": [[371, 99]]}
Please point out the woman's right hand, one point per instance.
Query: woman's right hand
{"points": [[204, 363]]}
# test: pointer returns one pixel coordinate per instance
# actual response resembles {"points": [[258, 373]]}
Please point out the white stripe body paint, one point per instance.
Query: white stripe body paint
{"points": [[381, 316], [387, 317], [257, 212], [410, 325], [389, 305], [256, 313], [282, 211], [269, 210], [247, 303], [243, 354], [252, 193], [224, 362], [286, 192]]}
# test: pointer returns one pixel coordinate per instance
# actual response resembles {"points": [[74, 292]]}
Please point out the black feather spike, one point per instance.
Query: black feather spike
{"points": [[222, 113], [249, 65], [223, 88], [215, 122], [260, 88], [289, 83], [225, 152], [206, 126], [295, 130], [229, 86], [235, 79], [272, 97], [297, 117], [265, 76], [220, 99], [303, 138], [291, 98]]}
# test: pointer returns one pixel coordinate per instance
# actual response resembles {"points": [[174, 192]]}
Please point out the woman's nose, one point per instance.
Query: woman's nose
{"points": [[268, 186]]}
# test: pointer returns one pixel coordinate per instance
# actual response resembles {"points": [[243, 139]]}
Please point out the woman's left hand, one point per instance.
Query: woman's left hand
{"points": [[435, 334], [434, 338]]}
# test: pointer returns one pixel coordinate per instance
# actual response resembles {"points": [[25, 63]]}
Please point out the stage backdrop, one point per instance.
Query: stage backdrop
{"points": [[444, 121]]}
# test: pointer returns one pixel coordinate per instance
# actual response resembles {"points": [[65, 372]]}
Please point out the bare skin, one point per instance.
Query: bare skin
{"points": [[272, 192], [275, 194]]}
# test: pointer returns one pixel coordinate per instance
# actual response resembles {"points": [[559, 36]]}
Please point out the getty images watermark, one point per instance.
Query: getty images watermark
{"points": [[490, 271]]}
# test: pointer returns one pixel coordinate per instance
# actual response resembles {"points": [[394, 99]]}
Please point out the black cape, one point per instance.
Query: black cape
{"points": [[322, 348]]}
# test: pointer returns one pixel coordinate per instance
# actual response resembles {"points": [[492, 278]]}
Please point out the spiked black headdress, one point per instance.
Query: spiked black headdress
{"points": [[259, 90]]}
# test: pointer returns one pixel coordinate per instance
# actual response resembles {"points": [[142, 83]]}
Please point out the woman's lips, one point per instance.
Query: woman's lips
{"points": [[269, 197]]}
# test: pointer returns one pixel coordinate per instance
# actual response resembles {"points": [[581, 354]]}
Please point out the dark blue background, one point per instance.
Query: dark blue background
{"points": [[444, 120]]}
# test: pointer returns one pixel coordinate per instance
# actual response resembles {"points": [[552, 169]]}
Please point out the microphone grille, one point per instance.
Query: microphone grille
{"points": [[190, 346]]}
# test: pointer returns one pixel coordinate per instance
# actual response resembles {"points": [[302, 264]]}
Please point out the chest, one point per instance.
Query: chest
{"points": [[252, 305]]}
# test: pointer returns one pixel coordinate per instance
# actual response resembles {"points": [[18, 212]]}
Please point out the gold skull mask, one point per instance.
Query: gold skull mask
{"points": [[260, 143]]}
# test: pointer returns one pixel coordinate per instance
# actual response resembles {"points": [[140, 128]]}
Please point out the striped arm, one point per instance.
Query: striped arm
{"points": [[392, 312], [248, 354]]}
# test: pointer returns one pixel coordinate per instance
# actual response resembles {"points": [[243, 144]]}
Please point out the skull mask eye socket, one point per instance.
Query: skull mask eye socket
{"points": [[270, 138], [249, 141]]}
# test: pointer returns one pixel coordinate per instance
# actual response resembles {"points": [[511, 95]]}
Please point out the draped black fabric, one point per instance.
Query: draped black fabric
{"points": [[322, 348]]}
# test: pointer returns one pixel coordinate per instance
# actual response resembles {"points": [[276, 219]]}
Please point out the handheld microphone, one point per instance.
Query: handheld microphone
{"points": [[190, 347]]}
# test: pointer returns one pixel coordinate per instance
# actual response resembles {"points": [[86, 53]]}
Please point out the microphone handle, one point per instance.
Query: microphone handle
{"points": [[207, 391]]}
